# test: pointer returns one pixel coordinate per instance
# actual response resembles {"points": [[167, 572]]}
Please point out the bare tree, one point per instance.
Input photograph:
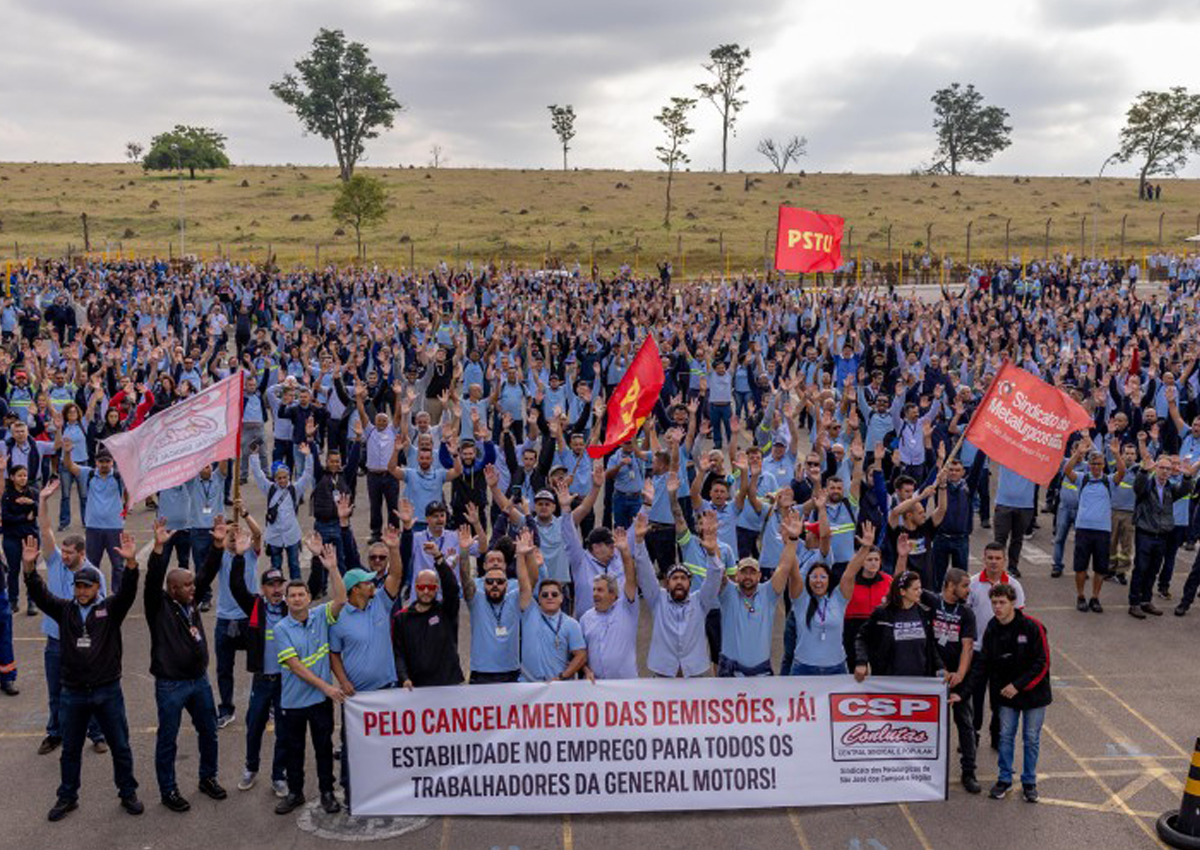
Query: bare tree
{"points": [[727, 65], [436, 157], [781, 154], [562, 119], [133, 151]]}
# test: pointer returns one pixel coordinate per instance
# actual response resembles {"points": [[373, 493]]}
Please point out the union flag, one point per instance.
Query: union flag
{"points": [[633, 399]]}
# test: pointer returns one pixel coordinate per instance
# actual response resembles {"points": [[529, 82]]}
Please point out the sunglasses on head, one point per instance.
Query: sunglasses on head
{"points": [[427, 587]]}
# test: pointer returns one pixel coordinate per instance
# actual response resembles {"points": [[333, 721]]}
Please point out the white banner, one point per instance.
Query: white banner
{"points": [[647, 745]]}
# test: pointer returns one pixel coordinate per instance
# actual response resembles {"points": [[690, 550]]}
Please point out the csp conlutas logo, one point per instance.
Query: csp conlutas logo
{"points": [[872, 727]]}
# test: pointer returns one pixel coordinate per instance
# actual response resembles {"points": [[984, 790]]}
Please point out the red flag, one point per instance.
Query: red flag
{"points": [[170, 447], [1023, 423], [808, 241], [633, 399]]}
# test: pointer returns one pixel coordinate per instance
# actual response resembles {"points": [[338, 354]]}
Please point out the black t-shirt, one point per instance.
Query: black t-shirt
{"points": [[951, 623], [921, 538], [908, 631]]}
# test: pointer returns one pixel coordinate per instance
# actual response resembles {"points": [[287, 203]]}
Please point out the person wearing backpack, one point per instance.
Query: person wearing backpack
{"points": [[104, 509], [282, 533], [1093, 519]]}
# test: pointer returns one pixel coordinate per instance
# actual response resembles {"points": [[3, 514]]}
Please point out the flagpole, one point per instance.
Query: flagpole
{"points": [[236, 471], [971, 421]]}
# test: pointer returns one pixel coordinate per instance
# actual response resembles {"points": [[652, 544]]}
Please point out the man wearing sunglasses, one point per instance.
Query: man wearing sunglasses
{"points": [[495, 605], [552, 645], [425, 634]]}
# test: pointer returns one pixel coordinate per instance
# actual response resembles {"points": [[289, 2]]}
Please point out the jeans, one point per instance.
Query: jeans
{"points": [[720, 416], [1031, 738], [173, 696], [52, 660], [799, 668], [264, 694], [660, 544], [12, 557], [101, 541], [106, 705], [317, 720], [331, 533], [1063, 520], [625, 508], [1010, 530], [66, 482], [1178, 535], [741, 400], [949, 551], [1147, 561], [181, 544], [293, 559], [8, 660], [963, 713], [201, 542], [228, 638]]}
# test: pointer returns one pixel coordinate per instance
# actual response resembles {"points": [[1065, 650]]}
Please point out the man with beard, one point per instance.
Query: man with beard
{"points": [[610, 626], [494, 603], [552, 646]]}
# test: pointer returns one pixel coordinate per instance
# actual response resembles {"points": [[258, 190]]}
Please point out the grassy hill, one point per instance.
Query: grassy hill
{"points": [[720, 220]]}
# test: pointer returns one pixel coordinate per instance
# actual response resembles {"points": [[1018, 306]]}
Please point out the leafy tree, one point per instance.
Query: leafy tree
{"points": [[133, 151], [361, 202], [340, 95], [780, 154], [673, 118], [727, 64], [967, 131], [1161, 129], [562, 119], [186, 147]]}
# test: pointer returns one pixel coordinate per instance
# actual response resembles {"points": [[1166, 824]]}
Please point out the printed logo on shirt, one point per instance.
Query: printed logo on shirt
{"points": [[885, 727]]}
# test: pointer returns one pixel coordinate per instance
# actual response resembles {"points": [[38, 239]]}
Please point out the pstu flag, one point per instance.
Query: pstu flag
{"points": [[1023, 423], [171, 447], [633, 399], [808, 241]]}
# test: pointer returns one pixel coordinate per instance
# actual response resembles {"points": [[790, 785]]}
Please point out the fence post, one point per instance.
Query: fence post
{"points": [[1123, 233], [412, 253], [1082, 237], [970, 224], [766, 261], [1160, 221], [929, 238], [1007, 225], [1046, 250]]}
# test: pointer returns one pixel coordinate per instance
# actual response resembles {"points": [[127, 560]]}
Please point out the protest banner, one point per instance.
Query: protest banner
{"points": [[807, 241], [647, 745], [1023, 423], [633, 398], [170, 447]]}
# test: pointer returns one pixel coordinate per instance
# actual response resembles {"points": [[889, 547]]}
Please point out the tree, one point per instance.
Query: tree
{"points": [[361, 202], [340, 95], [674, 121], [562, 119], [782, 153], [436, 158], [727, 65], [967, 131], [133, 151], [1161, 129], [186, 147]]}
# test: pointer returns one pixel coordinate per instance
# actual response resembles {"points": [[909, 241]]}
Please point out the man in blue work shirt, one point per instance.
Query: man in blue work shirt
{"points": [[552, 645], [175, 509], [307, 689], [1014, 514], [206, 494], [494, 601], [103, 518]]}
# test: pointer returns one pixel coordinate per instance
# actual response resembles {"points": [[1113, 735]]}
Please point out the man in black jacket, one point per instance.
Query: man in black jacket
{"points": [[90, 633], [1016, 660], [425, 635], [179, 665], [1154, 523]]}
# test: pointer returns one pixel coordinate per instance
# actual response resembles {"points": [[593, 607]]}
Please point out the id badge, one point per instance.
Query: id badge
{"points": [[501, 631], [195, 634], [206, 510], [84, 642]]}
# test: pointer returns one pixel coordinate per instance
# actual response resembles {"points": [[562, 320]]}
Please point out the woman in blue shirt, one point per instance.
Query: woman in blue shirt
{"points": [[70, 438], [820, 611]]}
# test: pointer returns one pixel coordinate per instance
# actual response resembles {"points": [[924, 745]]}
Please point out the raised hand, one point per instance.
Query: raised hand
{"points": [[128, 548], [314, 543], [621, 540], [525, 542], [162, 536]]}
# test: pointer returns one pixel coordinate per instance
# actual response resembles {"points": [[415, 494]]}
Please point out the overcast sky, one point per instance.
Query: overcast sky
{"points": [[79, 78]]}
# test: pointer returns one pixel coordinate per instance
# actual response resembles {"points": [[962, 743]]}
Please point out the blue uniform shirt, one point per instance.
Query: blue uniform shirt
{"points": [[364, 639], [308, 642]]}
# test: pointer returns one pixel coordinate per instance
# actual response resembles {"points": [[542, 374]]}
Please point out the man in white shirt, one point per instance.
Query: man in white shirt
{"points": [[610, 626]]}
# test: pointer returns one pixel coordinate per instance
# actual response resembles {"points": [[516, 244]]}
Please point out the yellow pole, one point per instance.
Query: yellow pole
{"points": [[1022, 264], [727, 266], [684, 259], [858, 268]]}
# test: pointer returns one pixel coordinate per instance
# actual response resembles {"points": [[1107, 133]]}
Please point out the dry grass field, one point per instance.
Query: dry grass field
{"points": [[720, 221]]}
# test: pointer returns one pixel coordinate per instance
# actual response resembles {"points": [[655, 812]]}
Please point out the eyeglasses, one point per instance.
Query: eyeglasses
{"points": [[811, 463], [550, 594], [495, 581], [377, 557], [427, 587]]}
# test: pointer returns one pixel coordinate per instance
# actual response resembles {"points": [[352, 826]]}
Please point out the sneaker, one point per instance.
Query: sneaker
{"points": [[985, 523], [224, 720], [15, 606], [48, 745], [205, 606], [1180, 610], [330, 803], [999, 790], [1149, 608], [31, 610], [970, 783], [174, 801], [1189, 546], [289, 804], [1164, 592], [100, 747], [61, 809], [10, 688], [1094, 605], [132, 805], [1014, 572], [279, 786], [1029, 792], [1056, 572], [1136, 611], [1081, 604], [212, 789], [247, 780], [1121, 580]]}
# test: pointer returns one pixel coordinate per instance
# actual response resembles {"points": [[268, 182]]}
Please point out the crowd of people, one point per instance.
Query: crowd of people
{"points": [[804, 461]]}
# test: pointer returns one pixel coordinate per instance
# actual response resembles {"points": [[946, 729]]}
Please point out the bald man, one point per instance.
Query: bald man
{"points": [[425, 634], [179, 664]]}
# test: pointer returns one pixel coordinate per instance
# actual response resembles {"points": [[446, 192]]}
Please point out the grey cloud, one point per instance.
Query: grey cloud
{"points": [[1093, 14]]}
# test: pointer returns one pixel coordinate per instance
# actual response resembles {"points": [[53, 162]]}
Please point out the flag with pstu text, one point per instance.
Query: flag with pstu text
{"points": [[633, 399], [808, 241], [170, 447], [1023, 423]]}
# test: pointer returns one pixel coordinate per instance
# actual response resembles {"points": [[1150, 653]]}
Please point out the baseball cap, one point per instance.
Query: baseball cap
{"points": [[278, 465], [544, 496], [435, 508], [271, 574], [356, 577], [87, 574], [679, 568]]}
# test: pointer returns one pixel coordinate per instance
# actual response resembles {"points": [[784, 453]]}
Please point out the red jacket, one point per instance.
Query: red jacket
{"points": [[868, 597]]}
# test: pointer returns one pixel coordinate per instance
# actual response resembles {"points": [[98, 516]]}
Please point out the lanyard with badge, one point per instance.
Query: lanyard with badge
{"points": [[822, 612], [84, 641], [498, 613], [206, 487], [556, 627]]}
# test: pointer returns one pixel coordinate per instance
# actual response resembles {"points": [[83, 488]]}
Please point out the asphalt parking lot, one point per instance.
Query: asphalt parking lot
{"points": [[1115, 750]]}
